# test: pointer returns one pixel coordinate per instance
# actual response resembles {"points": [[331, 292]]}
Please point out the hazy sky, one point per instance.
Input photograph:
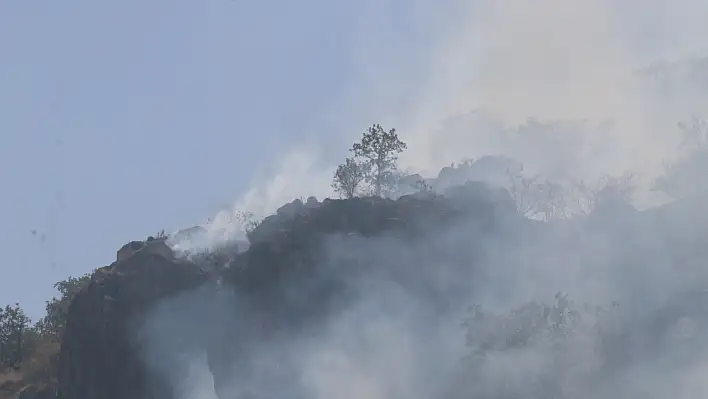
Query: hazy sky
{"points": [[122, 118]]}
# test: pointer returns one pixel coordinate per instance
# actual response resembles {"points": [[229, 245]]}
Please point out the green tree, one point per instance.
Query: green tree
{"points": [[53, 323], [13, 323], [348, 177], [378, 152]]}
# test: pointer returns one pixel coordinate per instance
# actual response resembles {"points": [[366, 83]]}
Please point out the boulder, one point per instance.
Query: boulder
{"points": [[100, 352], [127, 250]]}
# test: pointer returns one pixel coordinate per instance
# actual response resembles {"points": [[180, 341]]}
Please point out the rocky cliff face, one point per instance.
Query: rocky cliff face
{"points": [[100, 355], [304, 266]]}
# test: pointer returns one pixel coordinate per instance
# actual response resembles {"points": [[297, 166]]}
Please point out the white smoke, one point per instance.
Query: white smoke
{"points": [[550, 60], [513, 60]]}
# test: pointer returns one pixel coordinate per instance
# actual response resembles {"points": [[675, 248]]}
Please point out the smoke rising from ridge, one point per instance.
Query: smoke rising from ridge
{"points": [[400, 335], [507, 61], [422, 66]]}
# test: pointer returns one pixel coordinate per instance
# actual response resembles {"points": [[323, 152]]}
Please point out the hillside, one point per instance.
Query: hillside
{"points": [[285, 254], [420, 257], [481, 282]]}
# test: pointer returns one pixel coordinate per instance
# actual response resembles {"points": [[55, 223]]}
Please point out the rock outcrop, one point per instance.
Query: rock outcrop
{"points": [[99, 354], [291, 280]]}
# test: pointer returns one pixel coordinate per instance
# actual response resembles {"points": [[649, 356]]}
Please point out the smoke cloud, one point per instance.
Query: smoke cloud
{"points": [[452, 76], [461, 79]]}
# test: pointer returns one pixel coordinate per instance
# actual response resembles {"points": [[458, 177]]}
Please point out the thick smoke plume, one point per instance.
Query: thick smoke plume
{"points": [[460, 73], [471, 78]]}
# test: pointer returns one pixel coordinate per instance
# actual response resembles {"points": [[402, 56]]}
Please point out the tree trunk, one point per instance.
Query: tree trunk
{"points": [[378, 183]]}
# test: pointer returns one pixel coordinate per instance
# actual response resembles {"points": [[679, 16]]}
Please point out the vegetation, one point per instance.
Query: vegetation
{"points": [[51, 326], [554, 333], [13, 323], [373, 170], [248, 220], [160, 236], [686, 175], [31, 350], [374, 162], [348, 177]]}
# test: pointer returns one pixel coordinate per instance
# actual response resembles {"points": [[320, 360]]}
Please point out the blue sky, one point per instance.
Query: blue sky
{"points": [[122, 118]]}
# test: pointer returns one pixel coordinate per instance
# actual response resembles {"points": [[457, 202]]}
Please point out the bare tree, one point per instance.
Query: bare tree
{"points": [[686, 175], [422, 186], [524, 191], [607, 189], [247, 220], [553, 201], [616, 188], [347, 178], [583, 197]]}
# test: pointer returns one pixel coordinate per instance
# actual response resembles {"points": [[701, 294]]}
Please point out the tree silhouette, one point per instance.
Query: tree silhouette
{"points": [[53, 323], [378, 151], [348, 177], [13, 323]]}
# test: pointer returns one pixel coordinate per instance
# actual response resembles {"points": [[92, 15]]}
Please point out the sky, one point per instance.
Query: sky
{"points": [[124, 118], [119, 119]]}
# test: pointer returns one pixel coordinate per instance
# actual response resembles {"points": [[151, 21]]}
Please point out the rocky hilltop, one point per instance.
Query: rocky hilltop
{"points": [[307, 264], [100, 357]]}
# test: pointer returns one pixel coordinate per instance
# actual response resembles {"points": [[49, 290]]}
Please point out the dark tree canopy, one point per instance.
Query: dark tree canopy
{"points": [[13, 323], [52, 324]]}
